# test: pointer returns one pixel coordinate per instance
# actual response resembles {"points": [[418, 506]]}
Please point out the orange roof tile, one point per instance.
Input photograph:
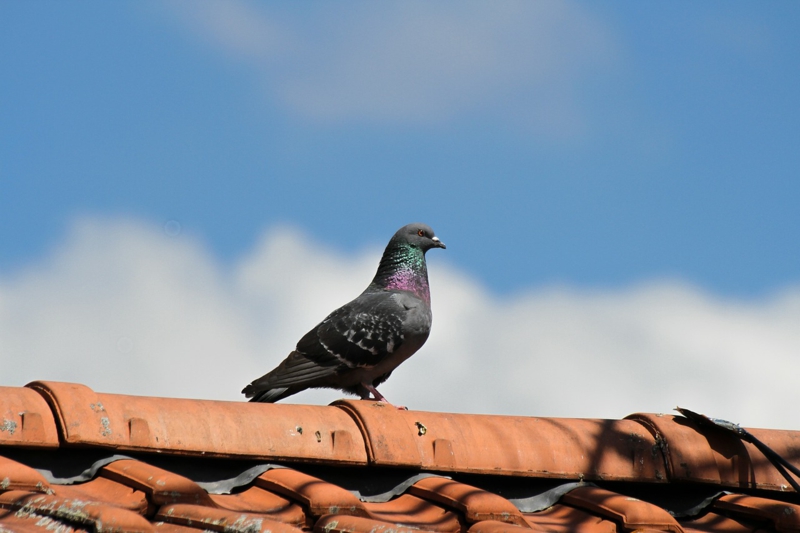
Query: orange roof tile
{"points": [[782, 516], [508, 445], [475, 504], [88, 514], [202, 427], [27, 419], [631, 513], [16, 476], [707, 455], [223, 520], [357, 524], [408, 510], [254, 499], [563, 518], [317, 496], [362, 467]]}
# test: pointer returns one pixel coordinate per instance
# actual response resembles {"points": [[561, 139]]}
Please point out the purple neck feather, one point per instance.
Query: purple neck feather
{"points": [[403, 268], [409, 280]]}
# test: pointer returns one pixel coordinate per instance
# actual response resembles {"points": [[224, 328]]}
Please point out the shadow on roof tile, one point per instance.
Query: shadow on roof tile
{"points": [[631, 513], [317, 496], [475, 504], [412, 511], [508, 445], [565, 519], [257, 500], [357, 524], [222, 520], [708, 455]]}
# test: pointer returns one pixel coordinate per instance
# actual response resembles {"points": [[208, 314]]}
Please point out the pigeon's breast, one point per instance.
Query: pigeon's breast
{"points": [[416, 313]]}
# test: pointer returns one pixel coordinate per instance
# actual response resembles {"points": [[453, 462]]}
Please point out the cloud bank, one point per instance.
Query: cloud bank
{"points": [[126, 307], [416, 62]]}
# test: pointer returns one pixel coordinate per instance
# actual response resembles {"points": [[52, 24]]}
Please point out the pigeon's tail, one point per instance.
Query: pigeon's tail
{"points": [[268, 395]]}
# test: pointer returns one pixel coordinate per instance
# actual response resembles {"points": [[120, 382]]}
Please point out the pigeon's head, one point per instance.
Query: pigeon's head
{"points": [[419, 236]]}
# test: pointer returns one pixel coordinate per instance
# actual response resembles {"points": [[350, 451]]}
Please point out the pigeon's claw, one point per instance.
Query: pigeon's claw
{"points": [[377, 396]]}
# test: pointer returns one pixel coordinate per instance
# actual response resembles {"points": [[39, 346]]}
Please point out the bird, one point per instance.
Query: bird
{"points": [[357, 346]]}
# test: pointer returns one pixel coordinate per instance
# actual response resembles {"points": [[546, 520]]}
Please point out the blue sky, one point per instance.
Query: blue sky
{"points": [[589, 144], [187, 187]]}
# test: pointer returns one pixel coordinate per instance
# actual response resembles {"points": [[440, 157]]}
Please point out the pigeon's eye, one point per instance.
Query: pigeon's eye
{"points": [[421, 233]]}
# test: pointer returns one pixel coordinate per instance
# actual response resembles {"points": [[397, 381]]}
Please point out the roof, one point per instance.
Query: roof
{"points": [[74, 459]]}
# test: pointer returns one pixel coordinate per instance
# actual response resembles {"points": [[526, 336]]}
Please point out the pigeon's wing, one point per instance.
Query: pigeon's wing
{"points": [[360, 334], [357, 335]]}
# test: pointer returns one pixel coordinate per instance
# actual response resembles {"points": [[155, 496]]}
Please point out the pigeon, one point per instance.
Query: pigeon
{"points": [[357, 346]]}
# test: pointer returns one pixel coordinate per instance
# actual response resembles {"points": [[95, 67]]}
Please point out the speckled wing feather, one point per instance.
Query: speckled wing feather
{"points": [[357, 335]]}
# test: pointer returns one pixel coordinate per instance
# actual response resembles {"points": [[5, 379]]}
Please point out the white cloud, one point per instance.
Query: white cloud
{"points": [[417, 62], [123, 307]]}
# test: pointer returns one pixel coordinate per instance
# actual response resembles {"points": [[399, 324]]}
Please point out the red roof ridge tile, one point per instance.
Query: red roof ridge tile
{"points": [[202, 427], [643, 447], [565, 448], [290, 468], [707, 455], [26, 419]]}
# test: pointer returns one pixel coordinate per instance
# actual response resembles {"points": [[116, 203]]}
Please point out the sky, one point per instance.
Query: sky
{"points": [[186, 188]]}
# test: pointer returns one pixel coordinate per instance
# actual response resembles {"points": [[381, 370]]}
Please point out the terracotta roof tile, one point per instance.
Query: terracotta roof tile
{"points": [[563, 519], [257, 500], [91, 515], [202, 427], [357, 524], [26, 419], [711, 456], [717, 523], [475, 504], [161, 486], [409, 510], [783, 516], [105, 491], [317, 496], [495, 526], [32, 523], [508, 445], [631, 513], [17, 476], [166, 527], [361, 467], [223, 520]]}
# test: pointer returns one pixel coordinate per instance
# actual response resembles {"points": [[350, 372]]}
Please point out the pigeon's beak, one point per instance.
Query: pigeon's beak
{"points": [[437, 243]]}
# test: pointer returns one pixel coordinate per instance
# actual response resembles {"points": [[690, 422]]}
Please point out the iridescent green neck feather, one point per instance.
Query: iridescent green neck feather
{"points": [[403, 268]]}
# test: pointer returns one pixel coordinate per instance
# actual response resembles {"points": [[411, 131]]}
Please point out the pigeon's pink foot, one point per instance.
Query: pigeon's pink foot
{"points": [[398, 407], [378, 397]]}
